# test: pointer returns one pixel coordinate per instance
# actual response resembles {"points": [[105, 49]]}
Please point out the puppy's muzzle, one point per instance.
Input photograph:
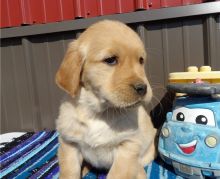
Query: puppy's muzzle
{"points": [[140, 88]]}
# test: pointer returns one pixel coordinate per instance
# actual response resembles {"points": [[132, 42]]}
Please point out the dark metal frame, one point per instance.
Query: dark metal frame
{"points": [[134, 17]]}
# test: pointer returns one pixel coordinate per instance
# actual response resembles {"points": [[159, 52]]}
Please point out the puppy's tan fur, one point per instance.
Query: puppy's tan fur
{"points": [[103, 120]]}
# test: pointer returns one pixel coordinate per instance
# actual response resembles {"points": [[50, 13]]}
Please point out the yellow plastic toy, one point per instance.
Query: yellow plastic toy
{"points": [[205, 74]]}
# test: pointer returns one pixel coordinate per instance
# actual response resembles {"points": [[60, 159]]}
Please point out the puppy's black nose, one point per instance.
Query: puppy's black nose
{"points": [[141, 89]]}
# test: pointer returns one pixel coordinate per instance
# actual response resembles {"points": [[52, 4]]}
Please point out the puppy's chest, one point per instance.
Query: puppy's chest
{"points": [[99, 133], [100, 141]]}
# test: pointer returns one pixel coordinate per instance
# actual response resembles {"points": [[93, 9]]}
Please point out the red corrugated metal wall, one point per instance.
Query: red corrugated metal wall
{"points": [[26, 12]]}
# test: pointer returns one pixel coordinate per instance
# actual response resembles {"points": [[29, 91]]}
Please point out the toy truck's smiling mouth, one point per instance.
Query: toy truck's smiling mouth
{"points": [[189, 147]]}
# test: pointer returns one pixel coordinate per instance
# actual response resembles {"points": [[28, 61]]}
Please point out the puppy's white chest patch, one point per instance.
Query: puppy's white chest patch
{"points": [[99, 134], [100, 157], [100, 142]]}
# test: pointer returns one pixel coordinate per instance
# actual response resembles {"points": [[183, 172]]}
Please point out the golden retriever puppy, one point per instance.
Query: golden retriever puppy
{"points": [[103, 120]]}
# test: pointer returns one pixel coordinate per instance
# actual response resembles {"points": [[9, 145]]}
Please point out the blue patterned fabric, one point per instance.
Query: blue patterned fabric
{"points": [[33, 155]]}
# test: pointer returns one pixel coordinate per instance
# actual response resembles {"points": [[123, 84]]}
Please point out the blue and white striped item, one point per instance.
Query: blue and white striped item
{"points": [[33, 155]]}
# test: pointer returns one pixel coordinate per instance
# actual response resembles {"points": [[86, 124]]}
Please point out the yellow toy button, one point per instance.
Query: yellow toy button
{"points": [[165, 132], [205, 69], [211, 141], [192, 69]]}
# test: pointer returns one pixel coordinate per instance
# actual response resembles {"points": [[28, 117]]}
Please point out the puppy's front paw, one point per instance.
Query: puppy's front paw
{"points": [[69, 175], [120, 175], [142, 174], [70, 161], [127, 176]]}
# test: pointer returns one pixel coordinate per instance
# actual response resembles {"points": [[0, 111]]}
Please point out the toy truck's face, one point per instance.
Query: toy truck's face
{"points": [[191, 135]]}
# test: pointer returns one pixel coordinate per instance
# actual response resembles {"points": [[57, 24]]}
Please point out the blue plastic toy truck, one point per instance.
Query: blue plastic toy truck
{"points": [[190, 137]]}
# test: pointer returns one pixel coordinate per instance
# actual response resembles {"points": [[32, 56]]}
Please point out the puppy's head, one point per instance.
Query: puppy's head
{"points": [[107, 59]]}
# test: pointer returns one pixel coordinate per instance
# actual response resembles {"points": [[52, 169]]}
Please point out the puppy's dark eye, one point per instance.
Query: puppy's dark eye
{"points": [[111, 60], [141, 60]]}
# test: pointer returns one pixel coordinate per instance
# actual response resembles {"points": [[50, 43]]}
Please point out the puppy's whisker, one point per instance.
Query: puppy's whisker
{"points": [[107, 114], [161, 88], [161, 106], [124, 112], [158, 87], [156, 50], [154, 97], [157, 84]]}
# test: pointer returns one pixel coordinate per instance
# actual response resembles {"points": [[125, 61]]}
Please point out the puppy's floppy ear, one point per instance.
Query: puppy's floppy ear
{"points": [[68, 75]]}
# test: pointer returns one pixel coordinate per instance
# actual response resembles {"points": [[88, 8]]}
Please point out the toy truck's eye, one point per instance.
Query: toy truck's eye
{"points": [[180, 116], [198, 116], [201, 120]]}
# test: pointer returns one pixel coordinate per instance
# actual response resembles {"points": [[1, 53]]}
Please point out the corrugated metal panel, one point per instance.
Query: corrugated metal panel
{"points": [[30, 99], [4, 22], [107, 7], [141, 4], [36, 9], [51, 10], [12, 85], [67, 10], [29, 96], [10, 13], [26, 12], [154, 4], [41, 11], [168, 3], [187, 2], [23, 12], [138, 17], [124, 6]]}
